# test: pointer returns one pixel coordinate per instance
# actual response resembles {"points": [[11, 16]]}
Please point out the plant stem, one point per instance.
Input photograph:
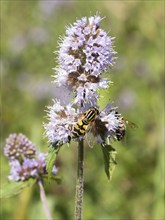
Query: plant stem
{"points": [[44, 200], [80, 182]]}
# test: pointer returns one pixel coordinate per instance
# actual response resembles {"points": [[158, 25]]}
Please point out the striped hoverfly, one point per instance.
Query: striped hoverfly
{"points": [[83, 124], [121, 129]]}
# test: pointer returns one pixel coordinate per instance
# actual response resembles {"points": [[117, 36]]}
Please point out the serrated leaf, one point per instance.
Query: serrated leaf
{"points": [[12, 188], [50, 159], [109, 155]]}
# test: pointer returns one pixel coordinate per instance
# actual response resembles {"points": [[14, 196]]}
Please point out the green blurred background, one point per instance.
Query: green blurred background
{"points": [[30, 32]]}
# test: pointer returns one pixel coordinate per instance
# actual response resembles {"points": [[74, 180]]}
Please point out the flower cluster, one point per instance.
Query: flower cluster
{"points": [[28, 168], [18, 147], [24, 161], [60, 119], [84, 55]]}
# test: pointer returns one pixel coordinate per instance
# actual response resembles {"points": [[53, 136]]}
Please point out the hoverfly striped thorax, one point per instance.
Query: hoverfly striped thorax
{"points": [[84, 122]]}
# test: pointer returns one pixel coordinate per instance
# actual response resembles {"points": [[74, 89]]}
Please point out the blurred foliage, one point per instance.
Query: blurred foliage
{"points": [[12, 188], [30, 32]]}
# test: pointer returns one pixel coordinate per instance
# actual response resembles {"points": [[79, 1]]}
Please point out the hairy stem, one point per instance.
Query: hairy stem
{"points": [[44, 200], [80, 182]]}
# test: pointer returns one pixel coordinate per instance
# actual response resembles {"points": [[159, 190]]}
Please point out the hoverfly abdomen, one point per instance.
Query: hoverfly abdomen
{"points": [[83, 124], [79, 129]]}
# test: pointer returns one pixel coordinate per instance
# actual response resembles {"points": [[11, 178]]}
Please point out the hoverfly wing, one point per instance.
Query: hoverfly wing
{"points": [[90, 139]]}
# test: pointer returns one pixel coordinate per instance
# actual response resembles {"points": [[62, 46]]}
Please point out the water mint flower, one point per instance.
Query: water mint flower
{"points": [[21, 172], [25, 162], [85, 53], [29, 168], [19, 147], [60, 119]]}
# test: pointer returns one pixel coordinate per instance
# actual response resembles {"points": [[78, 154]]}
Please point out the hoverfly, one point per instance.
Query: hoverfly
{"points": [[121, 129], [84, 122]]}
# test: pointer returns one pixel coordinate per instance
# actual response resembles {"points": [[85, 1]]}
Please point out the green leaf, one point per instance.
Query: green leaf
{"points": [[55, 178], [109, 154], [50, 159], [13, 188]]}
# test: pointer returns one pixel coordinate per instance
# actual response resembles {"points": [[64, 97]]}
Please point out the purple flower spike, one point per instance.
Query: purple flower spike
{"points": [[85, 53]]}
